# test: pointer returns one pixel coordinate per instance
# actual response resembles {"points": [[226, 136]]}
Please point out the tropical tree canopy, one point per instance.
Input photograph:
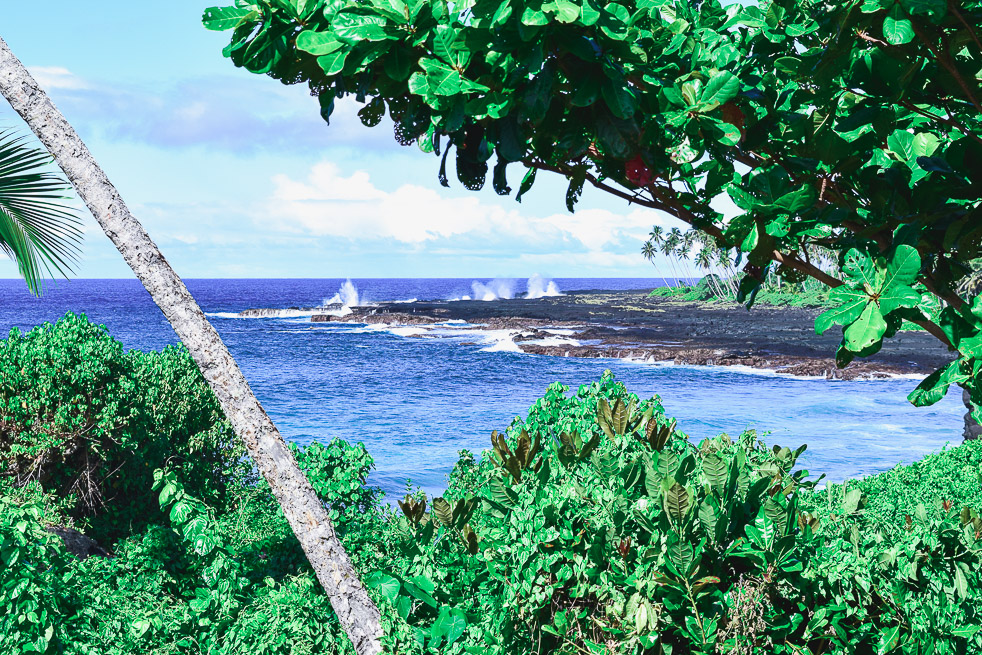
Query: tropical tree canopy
{"points": [[853, 126], [37, 229]]}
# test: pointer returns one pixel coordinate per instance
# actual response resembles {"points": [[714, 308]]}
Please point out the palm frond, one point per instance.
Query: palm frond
{"points": [[38, 230]]}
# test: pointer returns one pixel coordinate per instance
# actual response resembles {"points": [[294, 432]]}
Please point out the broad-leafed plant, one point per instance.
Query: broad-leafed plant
{"points": [[850, 126]]}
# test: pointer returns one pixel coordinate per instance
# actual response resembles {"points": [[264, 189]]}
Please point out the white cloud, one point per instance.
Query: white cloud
{"points": [[330, 203], [240, 114], [56, 77]]}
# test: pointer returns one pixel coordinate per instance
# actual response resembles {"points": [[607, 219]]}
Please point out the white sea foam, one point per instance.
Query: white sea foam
{"points": [[498, 289], [540, 287], [504, 289], [407, 331], [554, 341], [502, 344], [274, 313], [906, 376], [347, 296]]}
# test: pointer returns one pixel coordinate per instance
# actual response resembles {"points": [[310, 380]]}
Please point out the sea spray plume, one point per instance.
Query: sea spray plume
{"points": [[347, 295], [498, 289], [540, 287]]}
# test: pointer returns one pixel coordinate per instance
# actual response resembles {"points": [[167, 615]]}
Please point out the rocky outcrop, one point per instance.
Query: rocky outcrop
{"points": [[630, 325], [972, 429], [359, 315], [682, 355], [77, 543]]}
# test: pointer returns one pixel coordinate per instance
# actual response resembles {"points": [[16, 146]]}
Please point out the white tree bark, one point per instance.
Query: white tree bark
{"points": [[306, 514]]}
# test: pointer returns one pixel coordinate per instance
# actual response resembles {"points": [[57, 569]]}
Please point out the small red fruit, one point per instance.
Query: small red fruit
{"points": [[637, 172]]}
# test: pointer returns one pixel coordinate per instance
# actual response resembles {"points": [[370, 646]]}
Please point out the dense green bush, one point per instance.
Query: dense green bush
{"points": [[592, 526], [223, 578], [620, 533], [91, 421], [708, 290]]}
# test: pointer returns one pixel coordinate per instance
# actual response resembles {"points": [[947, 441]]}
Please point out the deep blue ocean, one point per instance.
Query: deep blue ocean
{"points": [[415, 402]]}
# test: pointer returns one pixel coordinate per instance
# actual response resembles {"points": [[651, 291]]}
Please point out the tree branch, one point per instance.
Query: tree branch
{"points": [[941, 119], [961, 19], [674, 208], [942, 58]]}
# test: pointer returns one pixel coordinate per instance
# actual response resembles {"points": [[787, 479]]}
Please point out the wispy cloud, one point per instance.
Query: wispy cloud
{"points": [[56, 77], [235, 113]]}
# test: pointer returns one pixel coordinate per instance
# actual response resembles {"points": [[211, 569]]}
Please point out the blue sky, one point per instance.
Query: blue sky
{"points": [[236, 175]]}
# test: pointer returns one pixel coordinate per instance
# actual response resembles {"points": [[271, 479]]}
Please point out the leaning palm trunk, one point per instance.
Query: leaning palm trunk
{"points": [[306, 514]]}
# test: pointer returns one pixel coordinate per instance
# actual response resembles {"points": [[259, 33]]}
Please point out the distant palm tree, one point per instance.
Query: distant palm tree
{"points": [[670, 246], [657, 235], [704, 260], [38, 230]]}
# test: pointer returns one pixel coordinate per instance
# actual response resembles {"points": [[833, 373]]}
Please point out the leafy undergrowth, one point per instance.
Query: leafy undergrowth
{"points": [[592, 526], [788, 296]]}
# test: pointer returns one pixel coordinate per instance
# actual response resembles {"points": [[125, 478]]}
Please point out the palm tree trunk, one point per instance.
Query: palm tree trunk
{"points": [[306, 514]]}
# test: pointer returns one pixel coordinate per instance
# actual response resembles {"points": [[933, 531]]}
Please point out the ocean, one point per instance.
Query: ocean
{"points": [[416, 402]]}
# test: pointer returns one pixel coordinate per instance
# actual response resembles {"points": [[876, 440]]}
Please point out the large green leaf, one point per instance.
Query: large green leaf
{"points": [[442, 80], [860, 269], [901, 143], [715, 469], [333, 63], [898, 296], [354, 28], [934, 387], [565, 11], [387, 585], [932, 8], [443, 511], [676, 501], [318, 43], [904, 267], [226, 18], [866, 330], [896, 27], [722, 87], [853, 303]]}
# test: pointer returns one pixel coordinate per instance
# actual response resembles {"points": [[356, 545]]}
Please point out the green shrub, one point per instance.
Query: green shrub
{"points": [[952, 476], [592, 526], [33, 561], [790, 295], [595, 527], [91, 422]]}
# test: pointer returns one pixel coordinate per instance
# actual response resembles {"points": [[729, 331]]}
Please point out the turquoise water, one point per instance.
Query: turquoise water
{"points": [[415, 402]]}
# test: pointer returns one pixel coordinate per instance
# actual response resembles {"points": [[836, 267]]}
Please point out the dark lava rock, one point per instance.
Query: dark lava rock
{"points": [[77, 543]]}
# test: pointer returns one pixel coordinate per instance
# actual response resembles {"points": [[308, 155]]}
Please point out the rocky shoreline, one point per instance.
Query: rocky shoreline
{"points": [[632, 325]]}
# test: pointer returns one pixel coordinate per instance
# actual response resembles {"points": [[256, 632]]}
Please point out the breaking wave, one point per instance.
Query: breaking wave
{"points": [[499, 289], [537, 286], [347, 296], [541, 287]]}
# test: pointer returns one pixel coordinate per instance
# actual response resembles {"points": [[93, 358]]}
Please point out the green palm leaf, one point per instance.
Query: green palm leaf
{"points": [[38, 230]]}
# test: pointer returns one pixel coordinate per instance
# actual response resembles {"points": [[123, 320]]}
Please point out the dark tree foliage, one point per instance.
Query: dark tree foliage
{"points": [[854, 126]]}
